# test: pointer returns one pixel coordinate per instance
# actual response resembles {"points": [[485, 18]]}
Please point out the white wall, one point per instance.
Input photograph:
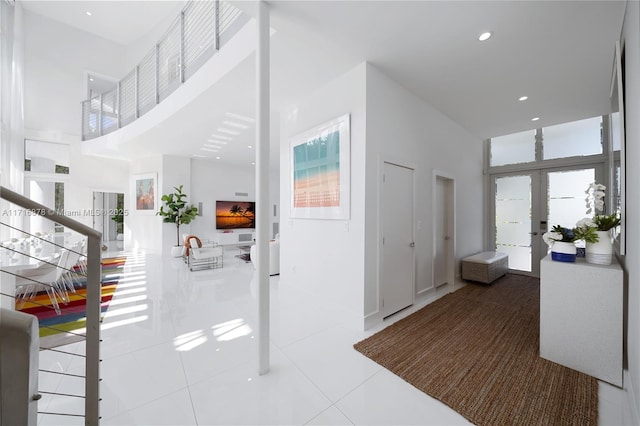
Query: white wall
{"points": [[57, 58], [326, 257], [631, 37], [212, 181], [337, 260], [143, 230], [404, 129]]}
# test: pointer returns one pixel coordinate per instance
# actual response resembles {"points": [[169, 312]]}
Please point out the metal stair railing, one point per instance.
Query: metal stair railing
{"points": [[196, 34], [58, 293]]}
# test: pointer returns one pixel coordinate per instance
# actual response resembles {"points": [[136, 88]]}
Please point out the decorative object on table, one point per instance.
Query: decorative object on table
{"points": [[320, 171], [561, 240], [144, 189], [176, 210], [596, 231]]}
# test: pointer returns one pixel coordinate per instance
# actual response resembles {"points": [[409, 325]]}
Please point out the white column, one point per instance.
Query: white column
{"points": [[262, 184]]}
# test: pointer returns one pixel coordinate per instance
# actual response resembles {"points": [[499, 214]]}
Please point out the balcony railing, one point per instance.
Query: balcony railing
{"points": [[198, 32]]}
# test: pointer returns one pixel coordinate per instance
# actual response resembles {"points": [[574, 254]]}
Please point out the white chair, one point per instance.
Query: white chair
{"points": [[47, 276], [201, 257]]}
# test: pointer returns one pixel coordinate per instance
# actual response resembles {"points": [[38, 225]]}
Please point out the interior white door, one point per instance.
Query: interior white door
{"points": [[398, 257], [441, 235]]}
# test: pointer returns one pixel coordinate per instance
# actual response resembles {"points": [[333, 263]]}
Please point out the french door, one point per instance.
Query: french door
{"points": [[527, 204]]}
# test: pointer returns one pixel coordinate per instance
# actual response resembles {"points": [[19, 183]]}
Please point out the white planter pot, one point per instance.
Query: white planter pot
{"points": [[601, 252], [176, 251], [563, 252]]}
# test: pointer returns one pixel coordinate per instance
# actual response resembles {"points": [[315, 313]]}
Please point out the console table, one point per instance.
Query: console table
{"points": [[233, 238], [581, 317]]}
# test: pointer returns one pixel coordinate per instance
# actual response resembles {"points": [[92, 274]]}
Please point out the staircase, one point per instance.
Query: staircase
{"points": [[42, 263]]}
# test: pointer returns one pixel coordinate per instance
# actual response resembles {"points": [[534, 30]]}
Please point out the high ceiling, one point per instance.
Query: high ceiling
{"points": [[558, 53]]}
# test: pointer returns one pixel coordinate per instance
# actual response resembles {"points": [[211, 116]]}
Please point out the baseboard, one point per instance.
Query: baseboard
{"points": [[634, 413]]}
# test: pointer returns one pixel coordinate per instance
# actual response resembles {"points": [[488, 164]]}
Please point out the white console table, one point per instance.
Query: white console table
{"points": [[233, 238], [581, 317]]}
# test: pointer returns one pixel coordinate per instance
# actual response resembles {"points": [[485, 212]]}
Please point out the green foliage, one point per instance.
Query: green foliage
{"points": [[176, 210], [567, 234], [586, 233], [606, 222]]}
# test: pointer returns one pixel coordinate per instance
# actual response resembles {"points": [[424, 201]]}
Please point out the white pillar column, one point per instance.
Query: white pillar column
{"points": [[262, 183]]}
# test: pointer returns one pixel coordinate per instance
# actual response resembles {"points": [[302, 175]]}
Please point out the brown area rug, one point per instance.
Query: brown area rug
{"points": [[477, 350]]}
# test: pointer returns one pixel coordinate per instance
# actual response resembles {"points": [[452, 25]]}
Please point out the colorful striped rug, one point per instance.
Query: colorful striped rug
{"points": [[55, 330]]}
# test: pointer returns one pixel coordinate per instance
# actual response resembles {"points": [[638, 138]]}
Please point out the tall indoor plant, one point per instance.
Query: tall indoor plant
{"points": [[176, 210]]}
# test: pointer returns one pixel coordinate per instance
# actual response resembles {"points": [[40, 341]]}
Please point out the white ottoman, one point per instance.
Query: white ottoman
{"points": [[485, 267]]}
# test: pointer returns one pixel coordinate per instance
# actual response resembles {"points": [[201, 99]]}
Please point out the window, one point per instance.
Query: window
{"points": [[574, 139], [513, 149]]}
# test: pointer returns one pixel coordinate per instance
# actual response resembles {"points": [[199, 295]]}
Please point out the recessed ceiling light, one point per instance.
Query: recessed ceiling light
{"points": [[535, 119], [199, 156], [250, 146], [239, 117], [88, 13], [90, 78], [228, 131], [217, 142], [208, 150], [234, 124], [208, 145], [485, 36], [523, 98], [253, 163], [217, 158]]}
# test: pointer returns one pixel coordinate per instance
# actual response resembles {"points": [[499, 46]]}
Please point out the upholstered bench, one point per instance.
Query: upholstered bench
{"points": [[485, 267]]}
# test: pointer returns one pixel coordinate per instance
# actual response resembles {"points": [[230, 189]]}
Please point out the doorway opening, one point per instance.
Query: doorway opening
{"points": [[443, 202], [109, 218]]}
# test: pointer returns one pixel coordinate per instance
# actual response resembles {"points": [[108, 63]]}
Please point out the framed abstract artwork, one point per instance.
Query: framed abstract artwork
{"points": [[145, 198], [320, 171]]}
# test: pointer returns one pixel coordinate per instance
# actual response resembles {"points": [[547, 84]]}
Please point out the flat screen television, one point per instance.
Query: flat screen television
{"points": [[235, 214]]}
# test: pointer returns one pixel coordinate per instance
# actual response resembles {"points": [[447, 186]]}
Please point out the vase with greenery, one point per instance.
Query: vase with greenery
{"points": [[561, 241], [176, 210], [596, 231]]}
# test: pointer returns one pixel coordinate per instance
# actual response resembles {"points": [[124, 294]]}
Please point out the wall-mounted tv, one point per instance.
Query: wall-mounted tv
{"points": [[235, 214]]}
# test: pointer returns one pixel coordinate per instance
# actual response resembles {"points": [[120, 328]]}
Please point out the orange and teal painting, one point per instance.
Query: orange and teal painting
{"points": [[316, 172]]}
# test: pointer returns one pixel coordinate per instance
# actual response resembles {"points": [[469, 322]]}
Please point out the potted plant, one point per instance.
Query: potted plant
{"points": [[118, 218], [176, 210], [561, 240], [596, 231]]}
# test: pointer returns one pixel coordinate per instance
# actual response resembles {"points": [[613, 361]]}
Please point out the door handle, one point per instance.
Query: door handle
{"points": [[412, 244], [447, 238], [533, 233]]}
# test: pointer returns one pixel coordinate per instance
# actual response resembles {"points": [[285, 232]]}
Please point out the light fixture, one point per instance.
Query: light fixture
{"points": [[208, 145], [199, 156], [523, 98], [217, 142], [239, 117], [228, 131], [217, 158], [485, 36], [90, 78], [234, 124], [88, 13], [250, 146], [535, 119], [208, 150], [253, 163]]}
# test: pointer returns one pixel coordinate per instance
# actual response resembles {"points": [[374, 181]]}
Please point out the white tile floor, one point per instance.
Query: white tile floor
{"points": [[179, 349]]}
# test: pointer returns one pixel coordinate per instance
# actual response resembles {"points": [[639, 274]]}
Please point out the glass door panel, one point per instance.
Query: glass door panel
{"points": [[566, 196], [513, 219]]}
